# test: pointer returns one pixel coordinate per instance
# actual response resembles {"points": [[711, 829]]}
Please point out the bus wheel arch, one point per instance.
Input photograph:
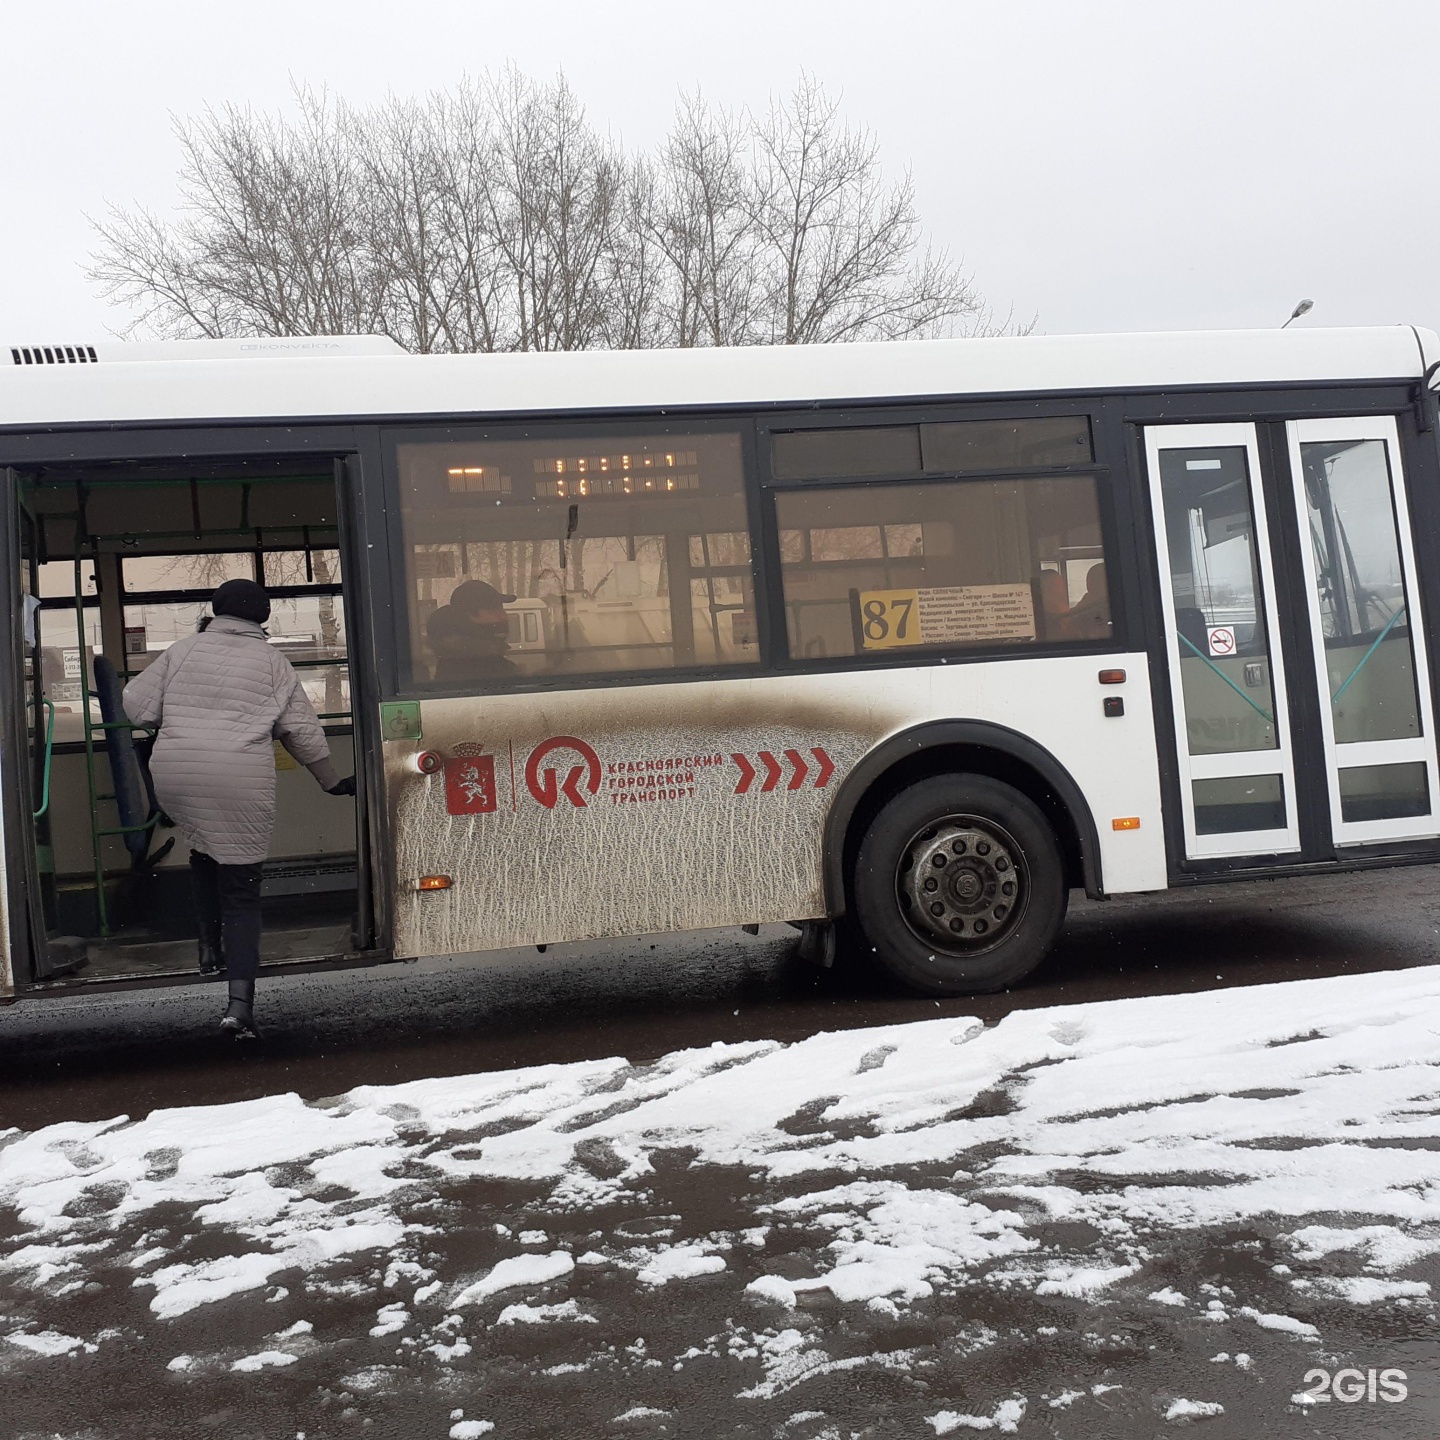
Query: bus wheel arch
{"points": [[954, 747]]}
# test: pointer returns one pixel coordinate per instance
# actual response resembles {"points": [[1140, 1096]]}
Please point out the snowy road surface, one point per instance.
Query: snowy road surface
{"points": [[1114, 1219]]}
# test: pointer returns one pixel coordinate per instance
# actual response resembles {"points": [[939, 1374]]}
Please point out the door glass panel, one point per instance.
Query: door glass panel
{"points": [[1220, 624], [1383, 792], [1239, 802], [1364, 619]]}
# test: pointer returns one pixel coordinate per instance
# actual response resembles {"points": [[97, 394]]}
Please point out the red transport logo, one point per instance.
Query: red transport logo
{"points": [[547, 786]]}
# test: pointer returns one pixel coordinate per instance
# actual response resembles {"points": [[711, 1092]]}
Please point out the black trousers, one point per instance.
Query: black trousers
{"points": [[227, 910]]}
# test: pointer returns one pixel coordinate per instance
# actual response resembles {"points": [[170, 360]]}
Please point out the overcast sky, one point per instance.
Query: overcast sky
{"points": [[1102, 166]]}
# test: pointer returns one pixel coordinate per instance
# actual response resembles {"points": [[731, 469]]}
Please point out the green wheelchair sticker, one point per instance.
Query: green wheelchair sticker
{"points": [[400, 720]]}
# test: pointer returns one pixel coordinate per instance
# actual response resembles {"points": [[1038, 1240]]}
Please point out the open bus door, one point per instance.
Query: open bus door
{"points": [[104, 568], [21, 959]]}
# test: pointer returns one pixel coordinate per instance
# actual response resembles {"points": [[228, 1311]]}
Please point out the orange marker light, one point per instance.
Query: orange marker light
{"points": [[440, 882], [1112, 677], [1122, 822]]}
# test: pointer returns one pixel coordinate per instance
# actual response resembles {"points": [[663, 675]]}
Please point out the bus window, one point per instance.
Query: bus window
{"points": [[57, 579], [198, 571], [166, 596], [301, 567], [621, 553], [966, 562], [947, 447]]}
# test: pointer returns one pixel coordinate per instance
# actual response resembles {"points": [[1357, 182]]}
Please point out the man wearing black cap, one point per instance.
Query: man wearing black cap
{"points": [[471, 634]]}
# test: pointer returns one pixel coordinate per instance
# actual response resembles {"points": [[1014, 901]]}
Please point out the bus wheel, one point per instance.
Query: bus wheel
{"points": [[959, 885]]}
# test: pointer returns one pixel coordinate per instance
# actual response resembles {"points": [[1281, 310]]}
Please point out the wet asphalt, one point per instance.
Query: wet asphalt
{"points": [[677, 1363], [91, 1057]]}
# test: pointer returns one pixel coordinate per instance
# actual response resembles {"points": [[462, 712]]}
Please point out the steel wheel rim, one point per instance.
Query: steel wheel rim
{"points": [[962, 884]]}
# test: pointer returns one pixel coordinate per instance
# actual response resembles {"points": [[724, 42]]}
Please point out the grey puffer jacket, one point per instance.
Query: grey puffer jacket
{"points": [[220, 698]]}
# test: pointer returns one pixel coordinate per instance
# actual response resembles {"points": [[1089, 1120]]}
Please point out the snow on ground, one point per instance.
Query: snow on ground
{"points": [[879, 1213]]}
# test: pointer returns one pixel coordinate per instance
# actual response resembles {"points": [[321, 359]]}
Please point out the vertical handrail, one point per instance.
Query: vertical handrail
{"points": [[95, 840], [49, 747]]}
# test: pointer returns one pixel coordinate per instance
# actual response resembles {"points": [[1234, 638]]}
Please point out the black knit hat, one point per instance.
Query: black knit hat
{"points": [[243, 599]]}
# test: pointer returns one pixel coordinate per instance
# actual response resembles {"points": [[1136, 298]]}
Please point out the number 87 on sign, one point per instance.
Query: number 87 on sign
{"points": [[885, 619]]}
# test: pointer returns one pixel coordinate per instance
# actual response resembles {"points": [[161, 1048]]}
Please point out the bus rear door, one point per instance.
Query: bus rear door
{"points": [[1254, 780]]}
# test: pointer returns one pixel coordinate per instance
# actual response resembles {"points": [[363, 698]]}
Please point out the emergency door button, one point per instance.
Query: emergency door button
{"points": [[1114, 705]]}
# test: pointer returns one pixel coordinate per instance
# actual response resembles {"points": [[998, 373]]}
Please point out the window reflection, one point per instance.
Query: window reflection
{"points": [[577, 555], [964, 562]]}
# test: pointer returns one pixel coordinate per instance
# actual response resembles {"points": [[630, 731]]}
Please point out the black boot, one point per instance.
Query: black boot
{"points": [[212, 958], [239, 1017]]}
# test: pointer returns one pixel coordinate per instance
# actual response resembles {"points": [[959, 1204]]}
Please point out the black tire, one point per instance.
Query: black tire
{"points": [[983, 858]]}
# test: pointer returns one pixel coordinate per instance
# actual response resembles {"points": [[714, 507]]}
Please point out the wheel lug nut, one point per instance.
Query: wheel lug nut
{"points": [[938, 859], [931, 883], [982, 847], [1008, 888], [1001, 863], [937, 908], [959, 847], [999, 912], [981, 927], [958, 925]]}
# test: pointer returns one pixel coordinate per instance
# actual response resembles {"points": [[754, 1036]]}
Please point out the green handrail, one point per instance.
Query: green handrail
{"points": [[49, 747], [1373, 648], [1268, 719]]}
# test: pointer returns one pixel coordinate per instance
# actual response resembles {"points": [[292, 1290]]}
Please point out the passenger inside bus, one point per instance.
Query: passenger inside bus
{"points": [[471, 635], [620, 554], [1090, 619], [1054, 604]]}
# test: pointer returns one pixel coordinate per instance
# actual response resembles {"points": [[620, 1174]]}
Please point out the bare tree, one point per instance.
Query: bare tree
{"points": [[496, 217], [273, 239], [706, 228], [835, 240]]}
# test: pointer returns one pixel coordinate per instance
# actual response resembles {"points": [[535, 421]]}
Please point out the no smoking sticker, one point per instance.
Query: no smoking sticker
{"points": [[1221, 639]]}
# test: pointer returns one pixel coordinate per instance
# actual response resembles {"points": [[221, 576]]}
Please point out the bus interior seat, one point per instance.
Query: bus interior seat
{"points": [[129, 772]]}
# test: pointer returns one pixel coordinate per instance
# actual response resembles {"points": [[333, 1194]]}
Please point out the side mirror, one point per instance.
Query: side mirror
{"points": [[1427, 403]]}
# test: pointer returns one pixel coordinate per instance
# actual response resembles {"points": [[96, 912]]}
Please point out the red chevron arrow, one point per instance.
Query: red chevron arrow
{"points": [[801, 769], [773, 772], [747, 774], [827, 767]]}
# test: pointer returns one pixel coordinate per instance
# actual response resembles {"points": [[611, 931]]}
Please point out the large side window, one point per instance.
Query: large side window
{"points": [[583, 554], [897, 565], [165, 597]]}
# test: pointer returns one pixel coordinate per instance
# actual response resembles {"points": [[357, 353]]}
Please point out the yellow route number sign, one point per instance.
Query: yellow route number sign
{"points": [[889, 619]]}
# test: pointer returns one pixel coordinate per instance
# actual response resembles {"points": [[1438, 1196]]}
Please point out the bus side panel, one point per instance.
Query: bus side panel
{"points": [[640, 810]]}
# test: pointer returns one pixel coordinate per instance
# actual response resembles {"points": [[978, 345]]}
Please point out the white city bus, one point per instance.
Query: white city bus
{"points": [[915, 638]]}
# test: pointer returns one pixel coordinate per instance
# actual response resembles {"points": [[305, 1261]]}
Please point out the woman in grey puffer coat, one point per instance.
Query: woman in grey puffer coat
{"points": [[219, 699]]}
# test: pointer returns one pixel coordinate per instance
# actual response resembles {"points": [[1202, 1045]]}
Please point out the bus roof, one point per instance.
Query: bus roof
{"points": [[349, 377]]}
